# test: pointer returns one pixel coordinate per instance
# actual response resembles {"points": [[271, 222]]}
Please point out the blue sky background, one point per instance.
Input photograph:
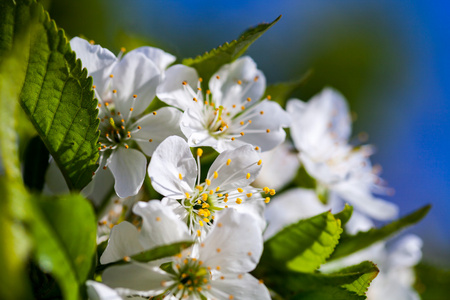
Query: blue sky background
{"points": [[390, 59]]}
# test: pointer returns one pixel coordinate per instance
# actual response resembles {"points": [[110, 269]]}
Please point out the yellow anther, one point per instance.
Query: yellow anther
{"points": [[269, 97], [199, 152], [211, 192], [256, 148], [200, 223], [225, 200], [150, 140], [205, 197], [260, 281], [126, 147], [228, 162], [239, 82], [218, 268], [217, 189], [184, 83], [199, 201], [126, 258], [199, 187], [200, 79], [249, 99], [259, 162], [199, 233], [243, 107], [272, 192], [122, 49], [219, 224], [208, 92], [99, 105], [187, 195], [261, 112], [242, 133], [256, 78], [267, 200], [215, 174], [231, 297], [131, 109], [154, 113], [195, 99], [234, 105], [242, 122], [248, 176], [266, 190], [199, 89], [91, 42], [94, 86], [180, 176], [218, 77], [180, 286], [219, 195], [205, 220], [135, 96], [208, 182], [232, 138], [139, 127], [249, 253], [249, 121], [267, 130], [249, 195], [218, 250], [240, 190], [238, 200]]}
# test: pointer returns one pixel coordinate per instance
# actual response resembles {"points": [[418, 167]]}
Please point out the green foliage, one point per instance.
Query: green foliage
{"points": [[35, 164], [211, 61], [345, 214], [432, 283], [161, 251], [303, 246], [351, 244], [281, 91], [56, 93]]}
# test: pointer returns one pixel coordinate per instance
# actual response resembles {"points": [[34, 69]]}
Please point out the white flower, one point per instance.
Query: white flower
{"points": [[215, 269], [230, 115], [124, 88], [176, 175], [321, 129]]}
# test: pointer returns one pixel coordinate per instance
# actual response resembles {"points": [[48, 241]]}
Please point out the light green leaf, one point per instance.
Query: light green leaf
{"points": [[351, 244], [56, 93], [281, 91], [211, 61], [161, 251], [329, 293], [303, 246], [367, 272], [345, 214], [74, 224]]}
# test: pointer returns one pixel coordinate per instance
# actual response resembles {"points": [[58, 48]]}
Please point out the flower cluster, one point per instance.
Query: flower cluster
{"points": [[223, 214]]}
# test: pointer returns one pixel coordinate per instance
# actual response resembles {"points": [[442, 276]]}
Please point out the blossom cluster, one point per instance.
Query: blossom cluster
{"points": [[214, 154]]}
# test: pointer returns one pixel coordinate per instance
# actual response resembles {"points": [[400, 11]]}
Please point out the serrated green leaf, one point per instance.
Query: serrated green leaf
{"points": [[367, 272], [351, 244], [162, 251], [281, 91], [345, 214], [74, 223], [211, 61], [56, 93], [303, 246]]}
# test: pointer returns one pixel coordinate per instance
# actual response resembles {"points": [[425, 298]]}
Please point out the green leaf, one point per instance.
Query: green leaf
{"points": [[162, 251], [367, 272], [211, 61], [329, 293], [303, 246], [432, 283], [281, 91], [345, 214], [56, 93], [351, 244], [74, 223]]}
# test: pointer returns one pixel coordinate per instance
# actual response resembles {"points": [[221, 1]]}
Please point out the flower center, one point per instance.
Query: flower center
{"points": [[190, 278]]}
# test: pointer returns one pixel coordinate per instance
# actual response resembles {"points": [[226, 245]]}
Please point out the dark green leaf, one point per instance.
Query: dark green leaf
{"points": [[432, 283], [211, 61], [351, 244], [56, 93], [281, 91], [303, 246]]}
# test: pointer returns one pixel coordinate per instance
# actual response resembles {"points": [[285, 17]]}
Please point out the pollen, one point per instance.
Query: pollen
{"points": [[211, 192], [217, 189], [180, 176], [256, 148], [111, 76], [200, 79], [261, 112], [269, 97], [131, 109], [242, 133], [126, 146], [208, 182], [243, 107], [238, 200], [259, 162], [249, 99], [218, 77], [242, 123], [268, 130], [199, 187], [228, 162], [248, 176], [249, 195], [232, 138], [199, 152], [139, 127], [267, 200], [135, 96], [215, 174], [199, 233], [195, 99], [205, 197], [93, 86], [187, 195], [184, 83], [154, 113], [240, 190], [200, 223], [239, 82]]}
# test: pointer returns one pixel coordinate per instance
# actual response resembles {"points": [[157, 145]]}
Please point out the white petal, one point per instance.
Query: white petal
{"points": [[55, 184], [274, 118], [136, 75], [227, 92], [358, 222], [192, 125], [406, 252], [97, 60], [136, 278], [160, 225], [171, 89], [123, 241], [279, 167], [240, 286], [234, 244], [254, 208], [100, 186], [243, 161], [171, 159], [157, 127], [159, 57], [128, 168], [290, 207], [99, 291]]}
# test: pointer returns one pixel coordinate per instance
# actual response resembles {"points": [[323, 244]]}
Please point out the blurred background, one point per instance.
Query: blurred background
{"points": [[389, 58]]}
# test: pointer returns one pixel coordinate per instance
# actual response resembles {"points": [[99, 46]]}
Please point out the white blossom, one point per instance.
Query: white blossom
{"points": [[228, 115]]}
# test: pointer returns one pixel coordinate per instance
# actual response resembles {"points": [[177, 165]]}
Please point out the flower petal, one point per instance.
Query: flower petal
{"points": [[159, 57], [240, 286], [234, 244], [172, 91], [160, 225], [100, 291], [97, 60], [123, 241], [136, 279], [266, 129], [128, 168], [136, 75], [100, 186], [157, 127], [406, 252], [233, 168], [236, 82], [170, 161]]}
